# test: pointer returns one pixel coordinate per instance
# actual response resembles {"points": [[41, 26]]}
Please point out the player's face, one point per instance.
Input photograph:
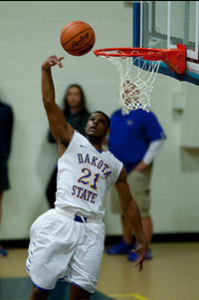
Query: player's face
{"points": [[97, 126], [73, 97]]}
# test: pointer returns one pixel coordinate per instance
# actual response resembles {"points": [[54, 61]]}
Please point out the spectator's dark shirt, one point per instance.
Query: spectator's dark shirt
{"points": [[78, 121], [6, 124]]}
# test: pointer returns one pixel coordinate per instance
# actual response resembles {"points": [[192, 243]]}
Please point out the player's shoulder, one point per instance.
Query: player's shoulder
{"points": [[79, 138], [116, 163], [78, 143]]}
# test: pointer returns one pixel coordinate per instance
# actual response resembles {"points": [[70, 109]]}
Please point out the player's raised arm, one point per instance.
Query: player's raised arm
{"points": [[132, 214], [61, 130]]}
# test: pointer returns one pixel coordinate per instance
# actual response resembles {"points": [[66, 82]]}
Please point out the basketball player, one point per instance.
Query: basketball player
{"points": [[67, 242]]}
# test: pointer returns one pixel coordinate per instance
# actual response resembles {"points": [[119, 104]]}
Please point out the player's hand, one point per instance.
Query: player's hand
{"points": [[141, 251], [52, 61]]}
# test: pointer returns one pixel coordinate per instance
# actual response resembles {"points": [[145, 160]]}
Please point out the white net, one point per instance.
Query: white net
{"points": [[135, 89]]}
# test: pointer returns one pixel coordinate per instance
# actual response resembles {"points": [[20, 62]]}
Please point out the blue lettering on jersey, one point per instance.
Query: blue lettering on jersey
{"points": [[83, 194], [94, 161]]}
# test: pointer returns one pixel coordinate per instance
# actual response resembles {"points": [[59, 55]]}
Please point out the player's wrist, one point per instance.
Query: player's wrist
{"points": [[45, 67], [141, 238]]}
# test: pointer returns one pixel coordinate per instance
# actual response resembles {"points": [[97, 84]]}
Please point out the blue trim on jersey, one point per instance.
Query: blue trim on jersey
{"points": [[61, 279], [99, 151], [45, 290], [81, 288]]}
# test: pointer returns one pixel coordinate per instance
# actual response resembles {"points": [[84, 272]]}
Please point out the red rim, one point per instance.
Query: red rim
{"points": [[175, 58], [146, 53]]}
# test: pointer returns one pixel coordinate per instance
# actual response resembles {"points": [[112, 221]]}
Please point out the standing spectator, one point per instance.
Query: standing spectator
{"points": [[6, 125], [136, 139], [76, 115]]}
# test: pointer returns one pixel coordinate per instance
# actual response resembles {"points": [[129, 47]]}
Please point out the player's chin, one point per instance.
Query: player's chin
{"points": [[92, 134]]}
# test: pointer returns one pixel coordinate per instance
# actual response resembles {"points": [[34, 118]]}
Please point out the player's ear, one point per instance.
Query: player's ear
{"points": [[108, 131]]}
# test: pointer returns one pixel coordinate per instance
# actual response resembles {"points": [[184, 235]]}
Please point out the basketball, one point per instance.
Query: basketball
{"points": [[77, 38]]}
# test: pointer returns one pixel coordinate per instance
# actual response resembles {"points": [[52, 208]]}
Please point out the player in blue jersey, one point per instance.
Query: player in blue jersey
{"points": [[67, 243], [135, 139]]}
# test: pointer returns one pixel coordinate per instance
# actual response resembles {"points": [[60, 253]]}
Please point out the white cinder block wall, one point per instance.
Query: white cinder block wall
{"points": [[29, 33]]}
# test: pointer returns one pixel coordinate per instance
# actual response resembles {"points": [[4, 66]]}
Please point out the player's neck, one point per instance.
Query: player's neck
{"points": [[98, 147], [96, 142]]}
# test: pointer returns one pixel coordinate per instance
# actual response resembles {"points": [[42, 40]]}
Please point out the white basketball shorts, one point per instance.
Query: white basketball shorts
{"points": [[64, 249]]}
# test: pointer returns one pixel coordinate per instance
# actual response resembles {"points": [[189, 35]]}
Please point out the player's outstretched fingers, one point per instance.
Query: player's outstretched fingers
{"points": [[60, 64], [139, 262], [141, 251], [52, 61]]}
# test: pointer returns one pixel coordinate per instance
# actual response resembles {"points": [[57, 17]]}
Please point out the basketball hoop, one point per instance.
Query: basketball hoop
{"points": [[136, 89]]}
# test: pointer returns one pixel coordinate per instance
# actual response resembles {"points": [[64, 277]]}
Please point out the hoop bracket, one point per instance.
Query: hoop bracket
{"points": [[176, 59]]}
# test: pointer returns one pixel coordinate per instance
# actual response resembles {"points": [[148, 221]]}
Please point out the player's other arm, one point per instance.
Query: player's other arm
{"points": [[59, 128], [132, 214]]}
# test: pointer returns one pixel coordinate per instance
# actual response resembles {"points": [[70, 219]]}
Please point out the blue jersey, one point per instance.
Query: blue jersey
{"points": [[131, 135]]}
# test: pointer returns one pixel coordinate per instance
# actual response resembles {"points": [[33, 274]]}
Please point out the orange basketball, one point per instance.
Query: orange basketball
{"points": [[77, 38]]}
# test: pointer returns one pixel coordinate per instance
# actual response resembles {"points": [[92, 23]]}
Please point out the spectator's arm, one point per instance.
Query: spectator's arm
{"points": [[152, 151]]}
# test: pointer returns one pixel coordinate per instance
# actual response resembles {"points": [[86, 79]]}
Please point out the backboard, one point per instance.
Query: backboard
{"points": [[162, 25]]}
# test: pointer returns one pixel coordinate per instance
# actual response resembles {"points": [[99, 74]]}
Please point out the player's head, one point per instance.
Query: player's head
{"points": [[74, 99], [98, 125], [108, 121]]}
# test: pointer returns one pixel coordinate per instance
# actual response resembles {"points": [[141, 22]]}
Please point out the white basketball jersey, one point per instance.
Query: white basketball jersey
{"points": [[84, 177]]}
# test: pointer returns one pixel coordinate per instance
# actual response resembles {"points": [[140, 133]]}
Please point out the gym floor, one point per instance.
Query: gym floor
{"points": [[172, 275]]}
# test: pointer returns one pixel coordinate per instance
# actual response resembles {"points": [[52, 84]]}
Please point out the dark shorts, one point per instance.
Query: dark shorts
{"points": [[4, 181]]}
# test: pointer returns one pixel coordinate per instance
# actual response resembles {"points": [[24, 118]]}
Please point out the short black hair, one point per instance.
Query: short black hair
{"points": [[107, 118]]}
